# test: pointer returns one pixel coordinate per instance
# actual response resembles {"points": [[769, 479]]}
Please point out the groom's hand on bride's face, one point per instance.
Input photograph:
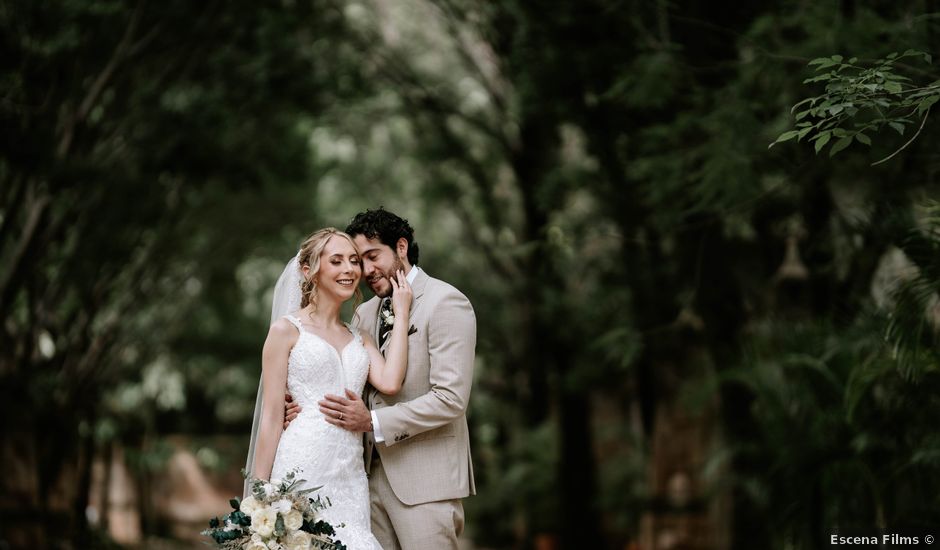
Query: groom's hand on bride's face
{"points": [[291, 409], [348, 413]]}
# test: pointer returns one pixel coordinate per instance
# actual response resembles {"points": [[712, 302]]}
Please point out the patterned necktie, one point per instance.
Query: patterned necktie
{"points": [[384, 314]]}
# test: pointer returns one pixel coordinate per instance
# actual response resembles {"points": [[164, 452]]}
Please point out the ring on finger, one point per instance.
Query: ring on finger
{"points": [[340, 416]]}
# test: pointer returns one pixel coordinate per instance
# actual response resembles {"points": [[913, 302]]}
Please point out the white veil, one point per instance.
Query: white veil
{"points": [[287, 295]]}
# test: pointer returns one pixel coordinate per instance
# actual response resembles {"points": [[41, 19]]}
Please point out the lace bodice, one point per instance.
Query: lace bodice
{"points": [[315, 368], [328, 456]]}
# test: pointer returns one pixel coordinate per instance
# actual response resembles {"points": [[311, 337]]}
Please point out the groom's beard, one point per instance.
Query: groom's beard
{"points": [[386, 291]]}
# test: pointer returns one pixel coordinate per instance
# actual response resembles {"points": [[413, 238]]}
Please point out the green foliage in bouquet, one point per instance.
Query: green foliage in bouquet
{"points": [[276, 514]]}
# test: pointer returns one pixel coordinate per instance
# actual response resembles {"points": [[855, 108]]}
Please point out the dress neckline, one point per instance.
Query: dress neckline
{"points": [[339, 352]]}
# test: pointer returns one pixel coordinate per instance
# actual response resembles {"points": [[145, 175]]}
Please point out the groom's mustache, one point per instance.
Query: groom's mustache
{"points": [[375, 278], [377, 275]]}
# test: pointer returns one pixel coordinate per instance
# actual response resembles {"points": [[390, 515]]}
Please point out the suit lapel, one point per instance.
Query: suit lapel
{"points": [[375, 323], [421, 282], [417, 288]]}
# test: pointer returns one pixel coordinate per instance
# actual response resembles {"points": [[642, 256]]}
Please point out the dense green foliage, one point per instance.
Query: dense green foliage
{"points": [[871, 98], [674, 322]]}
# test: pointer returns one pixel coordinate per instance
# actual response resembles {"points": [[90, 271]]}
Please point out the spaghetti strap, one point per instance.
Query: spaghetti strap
{"points": [[355, 332], [294, 321]]}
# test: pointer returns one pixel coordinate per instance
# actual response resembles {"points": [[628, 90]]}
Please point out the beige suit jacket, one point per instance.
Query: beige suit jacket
{"points": [[426, 453]]}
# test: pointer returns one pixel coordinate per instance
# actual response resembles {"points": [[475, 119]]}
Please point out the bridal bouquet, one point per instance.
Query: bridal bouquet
{"points": [[277, 515]]}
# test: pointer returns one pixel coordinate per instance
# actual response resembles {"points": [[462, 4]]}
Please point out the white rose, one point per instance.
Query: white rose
{"points": [[255, 545], [298, 540], [249, 505], [282, 506], [269, 490], [293, 520], [262, 521]]}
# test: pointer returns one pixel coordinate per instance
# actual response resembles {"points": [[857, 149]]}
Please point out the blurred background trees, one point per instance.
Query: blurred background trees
{"points": [[685, 340]]}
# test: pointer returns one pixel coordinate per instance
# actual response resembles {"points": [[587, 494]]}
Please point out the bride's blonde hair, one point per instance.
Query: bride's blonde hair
{"points": [[309, 255]]}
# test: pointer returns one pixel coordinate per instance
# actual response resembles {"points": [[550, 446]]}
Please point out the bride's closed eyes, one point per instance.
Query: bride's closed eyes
{"points": [[336, 260]]}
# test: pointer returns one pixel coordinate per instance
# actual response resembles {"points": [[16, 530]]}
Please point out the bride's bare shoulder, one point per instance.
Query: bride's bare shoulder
{"points": [[282, 330]]}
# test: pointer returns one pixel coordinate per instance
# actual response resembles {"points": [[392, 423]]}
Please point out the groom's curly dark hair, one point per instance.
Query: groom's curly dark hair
{"points": [[387, 227]]}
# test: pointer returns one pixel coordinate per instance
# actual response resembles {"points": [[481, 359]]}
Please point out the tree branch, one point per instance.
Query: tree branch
{"points": [[910, 141], [34, 218], [403, 76], [451, 17], [11, 208], [117, 57]]}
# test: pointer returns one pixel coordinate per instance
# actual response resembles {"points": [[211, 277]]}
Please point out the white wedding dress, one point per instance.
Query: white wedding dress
{"points": [[326, 455]]}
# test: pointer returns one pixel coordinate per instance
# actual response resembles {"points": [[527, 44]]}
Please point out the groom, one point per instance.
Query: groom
{"points": [[417, 445]]}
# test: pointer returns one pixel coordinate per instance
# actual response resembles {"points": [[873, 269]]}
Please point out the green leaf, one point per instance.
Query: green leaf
{"points": [[818, 61], [839, 133], [828, 63], [786, 136], [926, 103], [803, 133], [863, 138], [818, 78], [893, 87], [835, 109], [836, 58], [234, 503], [822, 140], [840, 145], [807, 100], [897, 126], [922, 93]]}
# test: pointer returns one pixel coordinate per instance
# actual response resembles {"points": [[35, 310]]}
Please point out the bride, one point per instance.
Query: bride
{"points": [[309, 353]]}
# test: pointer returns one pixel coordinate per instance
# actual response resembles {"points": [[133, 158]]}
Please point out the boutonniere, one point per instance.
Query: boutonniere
{"points": [[388, 318], [387, 322]]}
